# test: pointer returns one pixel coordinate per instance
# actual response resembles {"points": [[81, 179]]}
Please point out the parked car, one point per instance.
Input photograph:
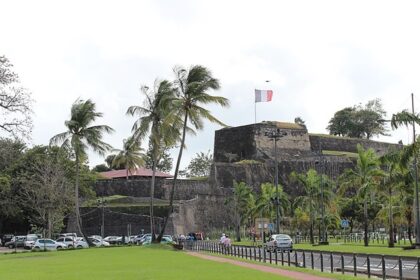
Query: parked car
{"points": [[96, 237], [279, 242], [70, 241], [6, 238], [81, 243], [113, 239], [98, 242], [165, 240], [68, 234], [48, 244], [142, 237], [30, 241], [17, 241]]}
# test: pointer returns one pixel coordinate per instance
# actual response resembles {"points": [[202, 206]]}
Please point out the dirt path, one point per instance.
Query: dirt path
{"points": [[273, 270]]}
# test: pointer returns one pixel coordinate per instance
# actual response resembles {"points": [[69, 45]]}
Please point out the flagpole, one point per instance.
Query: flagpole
{"points": [[255, 110]]}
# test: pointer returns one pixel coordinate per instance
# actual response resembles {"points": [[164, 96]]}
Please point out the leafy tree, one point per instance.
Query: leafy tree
{"points": [[359, 121], [242, 202], [264, 203], [152, 122], [15, 102], [349, 209], [80, 136], [193, 86], [317, 195], [307, 202], [200, 165], [131, 156], [364, 178], [300, 121], [392, 182], [10, 151], [101, 168], [46, 193], [165, 162]]}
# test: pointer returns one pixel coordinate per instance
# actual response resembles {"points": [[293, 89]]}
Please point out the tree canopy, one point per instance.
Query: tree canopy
{"points": [[15, 102], [359, 121]]}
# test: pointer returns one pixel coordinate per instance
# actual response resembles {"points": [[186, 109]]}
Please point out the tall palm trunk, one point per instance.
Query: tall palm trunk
{"points": [[409, 217], [311, 229], [178, 162], [365, 222], [76, 197], [391, 220], [152, 197]]}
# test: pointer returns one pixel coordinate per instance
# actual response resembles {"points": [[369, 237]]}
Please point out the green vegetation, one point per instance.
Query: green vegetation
{"points": [[359, 121], [125, 201], [121, 263], [339, 153]]}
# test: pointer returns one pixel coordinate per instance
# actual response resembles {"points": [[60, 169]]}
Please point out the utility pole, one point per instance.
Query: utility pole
{"points": [[416, 184], [275, 135]]}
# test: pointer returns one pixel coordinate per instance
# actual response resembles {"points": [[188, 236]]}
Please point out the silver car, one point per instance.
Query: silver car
{"points": [[279, 242], [48, 244]]}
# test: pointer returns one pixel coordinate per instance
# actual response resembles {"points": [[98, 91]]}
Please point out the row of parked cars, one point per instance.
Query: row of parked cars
{"points": [[70, 240]]}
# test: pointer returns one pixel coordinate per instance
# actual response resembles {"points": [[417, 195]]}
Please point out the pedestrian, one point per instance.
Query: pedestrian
{"points": [[222, 239]]}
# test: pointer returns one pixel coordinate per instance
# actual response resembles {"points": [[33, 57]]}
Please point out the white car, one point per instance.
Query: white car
{"points": [[73, 242], [70, 241], [30, 241], [48, 244], [98, 242], [279, 242], [81, 243]]}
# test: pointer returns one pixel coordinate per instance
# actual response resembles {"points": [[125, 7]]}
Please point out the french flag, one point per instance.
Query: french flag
{"points": [[263, 95]]}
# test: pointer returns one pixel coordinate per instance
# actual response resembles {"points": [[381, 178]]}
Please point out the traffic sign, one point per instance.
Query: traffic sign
{"points": [[344, 223]]}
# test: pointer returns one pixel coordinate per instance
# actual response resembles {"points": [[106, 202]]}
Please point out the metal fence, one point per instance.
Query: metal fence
{"points": [[383, 266]]}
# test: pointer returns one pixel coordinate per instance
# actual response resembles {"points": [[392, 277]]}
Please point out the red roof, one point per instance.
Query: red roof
{"points": [[139, 172]]}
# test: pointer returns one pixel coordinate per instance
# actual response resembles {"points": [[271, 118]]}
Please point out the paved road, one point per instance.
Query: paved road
{"points": [[409, 267], [7, 250]]}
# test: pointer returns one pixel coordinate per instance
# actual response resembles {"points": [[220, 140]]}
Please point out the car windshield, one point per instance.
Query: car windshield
{"points": [[282, 237]]}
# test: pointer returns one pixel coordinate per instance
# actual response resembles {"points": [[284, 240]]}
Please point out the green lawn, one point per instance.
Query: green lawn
{"points": [[359, 248], [120, 263]]}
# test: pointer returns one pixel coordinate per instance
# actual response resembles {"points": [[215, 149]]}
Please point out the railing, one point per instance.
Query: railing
{"points": [[384, 266]]}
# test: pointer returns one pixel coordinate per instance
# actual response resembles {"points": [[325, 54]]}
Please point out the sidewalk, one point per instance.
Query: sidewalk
{"points": [[273, 270]]}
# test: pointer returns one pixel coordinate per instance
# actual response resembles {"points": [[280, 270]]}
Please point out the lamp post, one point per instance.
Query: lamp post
{"points": [[275, 135], [102, 203]]}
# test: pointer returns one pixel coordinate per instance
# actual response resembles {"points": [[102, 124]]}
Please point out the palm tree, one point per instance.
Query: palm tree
{"points": [[393, 180], [193, 86], [364, 177], [80, 136], [311, 187], [264, 204], [241, 201], [152, 122], [131, 156]]}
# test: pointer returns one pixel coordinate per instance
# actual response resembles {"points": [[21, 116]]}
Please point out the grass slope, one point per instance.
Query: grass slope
{"points": [[120, 263]]}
